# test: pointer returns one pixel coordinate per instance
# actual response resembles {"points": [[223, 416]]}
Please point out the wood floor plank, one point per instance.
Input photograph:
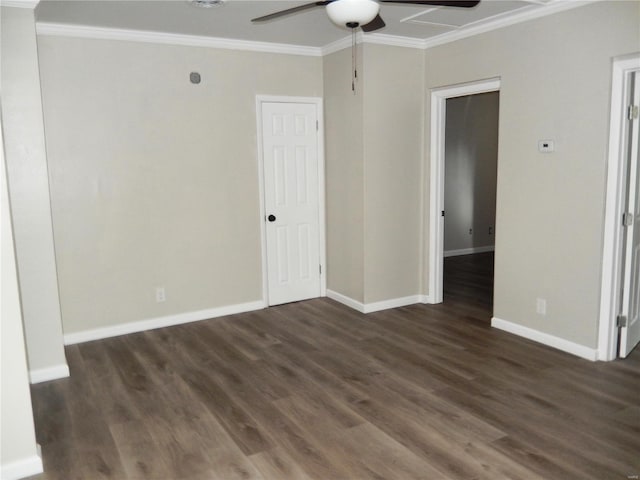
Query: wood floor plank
{"points": [[237, 369], [542, 461], [383, 457], [239, 423], [445, 457], [277, 464], [140, 454], [110, 393]]}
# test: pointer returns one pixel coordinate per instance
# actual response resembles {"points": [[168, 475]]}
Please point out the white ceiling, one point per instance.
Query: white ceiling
{"points": [[312, 28]]}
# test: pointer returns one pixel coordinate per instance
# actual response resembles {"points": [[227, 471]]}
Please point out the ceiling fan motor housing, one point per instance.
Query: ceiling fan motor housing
{"points": [[352, 13]]}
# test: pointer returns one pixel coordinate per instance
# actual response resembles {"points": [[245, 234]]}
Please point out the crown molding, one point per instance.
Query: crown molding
{"points": [[393, 40], [373, 38], [83, 31], [340, 44], [30, 4]]}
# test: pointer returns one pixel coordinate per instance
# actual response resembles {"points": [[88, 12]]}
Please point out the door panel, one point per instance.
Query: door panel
{"points": [[290, 159], [630, 335]]}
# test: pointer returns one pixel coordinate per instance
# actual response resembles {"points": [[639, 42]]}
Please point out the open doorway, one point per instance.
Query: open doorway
{"points": [[470, 174], [439, 98]]}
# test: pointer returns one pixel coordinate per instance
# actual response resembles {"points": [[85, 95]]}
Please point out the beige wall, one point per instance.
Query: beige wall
{"points": [[18, 450], [374, 158], [28, 182], [393, 81], [555, 76], [344, 176], [154, 180], [471, 160]]}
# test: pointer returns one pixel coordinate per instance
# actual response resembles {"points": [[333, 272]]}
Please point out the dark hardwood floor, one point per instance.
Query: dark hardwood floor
{"points": [[314, 390], [468, 282]]}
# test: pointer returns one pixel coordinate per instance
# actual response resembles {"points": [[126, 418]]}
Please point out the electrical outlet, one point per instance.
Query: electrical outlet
{"points": [[160, 295], [471, 231], [541, 306]]}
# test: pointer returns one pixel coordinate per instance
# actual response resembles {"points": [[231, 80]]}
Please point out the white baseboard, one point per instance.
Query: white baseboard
{"points": [[153, 323], [50, 373], [546, 339], [469, 251], [376, 306], [395, 303], [21, 468], [348, 301]]}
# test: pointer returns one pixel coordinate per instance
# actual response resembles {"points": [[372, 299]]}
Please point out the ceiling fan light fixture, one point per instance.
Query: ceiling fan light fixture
{"points": [[352, 13]]}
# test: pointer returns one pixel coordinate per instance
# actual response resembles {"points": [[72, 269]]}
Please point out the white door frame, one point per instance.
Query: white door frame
{"points": [[439, 98], [317, 101], [623, 67]]}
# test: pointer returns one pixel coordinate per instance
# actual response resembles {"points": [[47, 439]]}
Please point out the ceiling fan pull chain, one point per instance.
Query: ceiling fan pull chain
{"points": [[354, 61]]}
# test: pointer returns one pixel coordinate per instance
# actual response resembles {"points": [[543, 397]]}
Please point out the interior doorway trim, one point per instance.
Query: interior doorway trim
{"points": [[623, 67], [317, 101], [439, 98]]}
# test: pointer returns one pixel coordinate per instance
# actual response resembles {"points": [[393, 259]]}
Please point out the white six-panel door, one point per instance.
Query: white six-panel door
{"points": [[291, 200]]}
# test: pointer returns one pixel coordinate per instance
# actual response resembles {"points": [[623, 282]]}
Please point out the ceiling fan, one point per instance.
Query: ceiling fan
{"points": [[361, 13]]}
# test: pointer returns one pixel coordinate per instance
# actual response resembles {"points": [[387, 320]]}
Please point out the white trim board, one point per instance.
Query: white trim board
{"points": [[50, 373], [153, 323], [394, 303], [469, 251], [23, 468], [348, 301], [546, 339], [376, 306]]}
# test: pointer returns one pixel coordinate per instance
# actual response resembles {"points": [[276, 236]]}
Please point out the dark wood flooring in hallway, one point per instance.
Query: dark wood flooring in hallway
{"points": [[314, 390], [468, 282]]}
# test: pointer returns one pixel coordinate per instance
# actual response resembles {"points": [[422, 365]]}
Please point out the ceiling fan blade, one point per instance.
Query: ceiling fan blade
{"points": [[289, 11], [375, 24], [437, 3]]}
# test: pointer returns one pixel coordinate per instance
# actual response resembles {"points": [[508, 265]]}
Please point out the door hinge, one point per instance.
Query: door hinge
{"points": [[442, 213], [317, 125], [621, 321], [627, 219], [320, 269], [632, 112]]}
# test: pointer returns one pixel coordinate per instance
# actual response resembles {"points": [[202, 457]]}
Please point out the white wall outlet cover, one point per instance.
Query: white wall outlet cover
{"points": [[545, 146], [160, 294], [541, 306]]}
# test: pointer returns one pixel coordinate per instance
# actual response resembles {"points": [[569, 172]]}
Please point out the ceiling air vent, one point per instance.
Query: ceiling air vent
{"points": [[206, 3]]}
